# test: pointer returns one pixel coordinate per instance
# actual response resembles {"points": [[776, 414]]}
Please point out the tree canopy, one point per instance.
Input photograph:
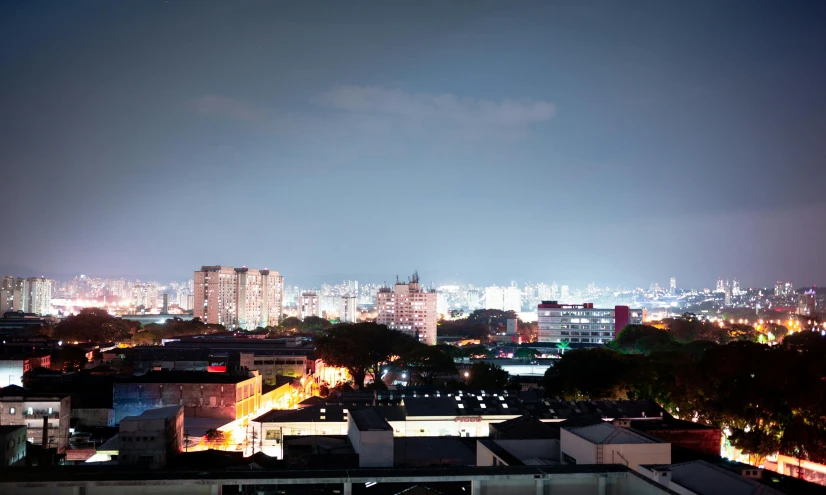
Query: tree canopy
{"points": [[153, 333], [426, 363], [94, 325], [487, 376], [362, 348], [769, 398]]}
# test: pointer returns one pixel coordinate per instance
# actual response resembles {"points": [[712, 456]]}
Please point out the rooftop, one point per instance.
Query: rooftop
{"points": [[369, 420], [178, 376], [159, 413], [704, 478], [606, 433]]}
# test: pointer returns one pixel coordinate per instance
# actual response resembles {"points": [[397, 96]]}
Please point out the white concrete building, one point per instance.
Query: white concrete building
{"points": [[495, 298], [703, 478], [23, 407], [349, 309], [145, 295], [30, 295], [512, 299], [308, 305], [606, 443], [582, 323], [238, 297], [149, 440], [408, 308]]}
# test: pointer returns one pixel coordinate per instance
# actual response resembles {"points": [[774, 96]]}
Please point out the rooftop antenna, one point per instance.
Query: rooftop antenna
{"points": [[397, 279]]}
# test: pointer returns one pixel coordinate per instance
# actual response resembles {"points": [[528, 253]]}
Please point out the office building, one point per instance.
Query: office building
{"points": [[238, 297], [408, 308], [308, 305], [582, 323]]}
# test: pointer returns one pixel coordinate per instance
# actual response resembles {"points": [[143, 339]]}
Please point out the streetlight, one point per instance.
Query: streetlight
{"points": [[467, 374]]}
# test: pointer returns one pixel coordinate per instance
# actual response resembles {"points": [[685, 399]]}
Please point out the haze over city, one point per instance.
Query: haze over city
{"points": [[478, 143]]}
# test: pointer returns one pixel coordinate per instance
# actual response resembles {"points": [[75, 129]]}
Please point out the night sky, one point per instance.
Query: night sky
{"points": [[483, 142]]}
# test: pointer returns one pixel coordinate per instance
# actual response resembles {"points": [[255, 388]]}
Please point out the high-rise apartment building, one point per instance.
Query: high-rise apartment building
{"points": [[473, 298], [672, 285], [582, 323], [238, 297], [38, 296], [512, 299], [145, 295], [349, 309], [30, 295], [308, 305], [495, 298], [408, 308]]}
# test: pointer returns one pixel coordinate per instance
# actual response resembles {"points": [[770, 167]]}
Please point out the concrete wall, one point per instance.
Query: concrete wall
{"points": [[634, 454], [13, 446], [11, 372], [94, 417], [521, 449], [58, 420], [200, 400], [580, 449]]}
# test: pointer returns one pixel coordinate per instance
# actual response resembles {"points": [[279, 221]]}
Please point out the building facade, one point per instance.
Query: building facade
{"points": [[582, 323], [238, 297], [349, 309], [203, 394], [23, 407], [308, 305], [408, 308]]}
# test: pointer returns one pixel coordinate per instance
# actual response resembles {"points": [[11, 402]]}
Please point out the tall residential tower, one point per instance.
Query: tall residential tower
{"points": [[238, 297], [408, 308]]}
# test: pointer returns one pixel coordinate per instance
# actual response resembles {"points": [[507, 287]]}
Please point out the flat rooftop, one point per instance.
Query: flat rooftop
{"points": [[607, 433], [159, 413], [178, 376], [369, 420]]}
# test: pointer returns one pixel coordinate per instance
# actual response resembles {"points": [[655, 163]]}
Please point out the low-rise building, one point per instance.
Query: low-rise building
{"points": [[14, 364], [704, 478], [12, 444], [151, 439], [39, 412], [227, 396], [607, 443]]}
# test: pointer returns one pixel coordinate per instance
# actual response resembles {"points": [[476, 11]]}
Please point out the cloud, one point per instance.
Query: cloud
{"points": [[230, 108], [442, 108]]}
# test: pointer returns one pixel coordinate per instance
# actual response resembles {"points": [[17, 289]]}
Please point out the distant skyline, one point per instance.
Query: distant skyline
{"points": [[620, 143]]}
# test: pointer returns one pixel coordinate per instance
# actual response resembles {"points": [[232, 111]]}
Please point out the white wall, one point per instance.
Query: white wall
{"points": [[580, 449], [11, 373], [634, 454]]}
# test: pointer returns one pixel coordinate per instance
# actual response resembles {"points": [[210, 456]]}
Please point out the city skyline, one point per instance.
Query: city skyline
{"points": [[556, 141]]}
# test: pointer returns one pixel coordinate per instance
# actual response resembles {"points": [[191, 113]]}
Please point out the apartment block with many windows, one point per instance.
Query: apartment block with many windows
{"points": [[238, 297], [408, 308]]}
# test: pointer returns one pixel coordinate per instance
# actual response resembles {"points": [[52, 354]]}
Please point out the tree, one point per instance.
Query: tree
{"points": [[290, 323], [426, 363], [591, 373], [217, 439], [361, 348], [487, 376], [526, 353], [311, 323], [94, 325], [69, 358], [642, 339]]}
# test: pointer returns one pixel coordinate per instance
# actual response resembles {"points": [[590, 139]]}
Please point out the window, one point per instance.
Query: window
{"points": [[12, 410]]}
